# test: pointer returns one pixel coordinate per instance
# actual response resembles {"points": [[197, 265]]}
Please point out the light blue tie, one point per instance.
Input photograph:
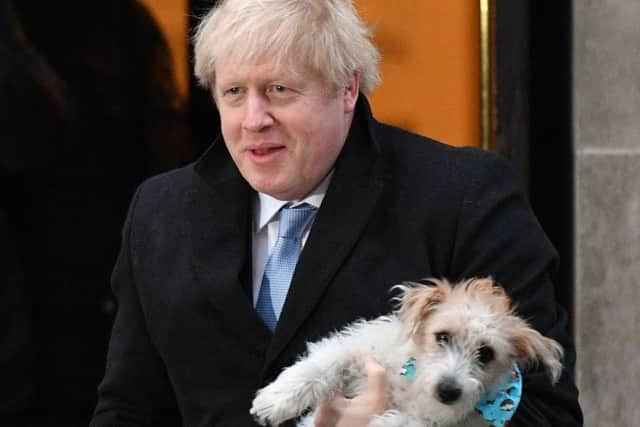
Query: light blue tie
{"points": [[282, 262]]}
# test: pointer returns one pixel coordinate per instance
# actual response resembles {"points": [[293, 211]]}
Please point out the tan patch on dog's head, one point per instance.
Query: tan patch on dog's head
{"points": [[418, 301], [486, 290]]}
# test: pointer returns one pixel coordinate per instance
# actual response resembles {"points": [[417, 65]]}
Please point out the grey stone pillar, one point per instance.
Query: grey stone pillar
{"points": [[606, 107]]}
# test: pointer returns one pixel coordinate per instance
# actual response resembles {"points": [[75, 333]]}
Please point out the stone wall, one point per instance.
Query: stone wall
{"points": [[606, 111]]}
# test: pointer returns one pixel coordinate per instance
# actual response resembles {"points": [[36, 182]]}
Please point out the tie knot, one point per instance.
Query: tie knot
{"points": [[294, 221]]}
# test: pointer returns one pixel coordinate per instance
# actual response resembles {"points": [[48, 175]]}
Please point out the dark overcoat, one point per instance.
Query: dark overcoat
{"points": [[186, 338]]}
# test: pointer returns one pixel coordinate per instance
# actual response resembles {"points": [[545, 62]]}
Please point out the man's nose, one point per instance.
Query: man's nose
{"points": [[257, 114]]}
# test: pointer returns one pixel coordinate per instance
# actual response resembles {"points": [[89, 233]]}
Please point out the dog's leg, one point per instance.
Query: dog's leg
{"points": [[307, 383]]}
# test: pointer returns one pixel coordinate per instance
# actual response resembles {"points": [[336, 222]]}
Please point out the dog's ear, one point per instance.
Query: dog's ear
{"points": [[417, 300], [530, 346]]}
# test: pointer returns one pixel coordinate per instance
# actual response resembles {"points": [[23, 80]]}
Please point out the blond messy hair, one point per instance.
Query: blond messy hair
{"points": [[326, 36]]}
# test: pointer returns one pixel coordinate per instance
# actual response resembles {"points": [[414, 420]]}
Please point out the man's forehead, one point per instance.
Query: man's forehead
{"points": [[229, 69]]}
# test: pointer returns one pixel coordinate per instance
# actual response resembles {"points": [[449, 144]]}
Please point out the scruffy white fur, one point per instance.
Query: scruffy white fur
{"points": [[440, 325]]}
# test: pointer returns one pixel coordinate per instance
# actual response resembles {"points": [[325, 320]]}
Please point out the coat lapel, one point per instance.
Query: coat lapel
{"points": [[219, 223], [350, 200]]}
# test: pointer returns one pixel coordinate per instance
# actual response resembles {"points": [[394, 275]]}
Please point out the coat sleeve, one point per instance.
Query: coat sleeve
{"points": [[498, 235], [135, 390]]}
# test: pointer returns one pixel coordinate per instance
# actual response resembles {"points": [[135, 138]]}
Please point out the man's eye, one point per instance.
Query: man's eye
{"points": [[278, 89], [442, 338], [233, 91]]}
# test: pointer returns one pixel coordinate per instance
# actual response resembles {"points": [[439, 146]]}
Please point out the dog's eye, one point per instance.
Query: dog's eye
{"points": [[485, 354], [442, 338]]}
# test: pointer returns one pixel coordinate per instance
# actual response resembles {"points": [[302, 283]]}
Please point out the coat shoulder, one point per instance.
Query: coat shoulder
{"points": [[168, 184], [418, 148], [418, 159], [160, 197]]}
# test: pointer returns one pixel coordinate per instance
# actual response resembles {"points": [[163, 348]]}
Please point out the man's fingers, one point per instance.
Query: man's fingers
{"points": [[357, 411], [329, 413], [376, 376]]}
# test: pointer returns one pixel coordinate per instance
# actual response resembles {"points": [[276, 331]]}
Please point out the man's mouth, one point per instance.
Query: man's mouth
{"points": [[265, 153], [265, 150]]}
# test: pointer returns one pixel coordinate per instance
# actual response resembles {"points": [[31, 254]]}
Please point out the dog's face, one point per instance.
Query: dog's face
{"points": [[467, 338]]}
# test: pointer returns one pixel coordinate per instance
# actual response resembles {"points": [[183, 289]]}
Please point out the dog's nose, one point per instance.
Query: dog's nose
{"points": [[448, 391]]}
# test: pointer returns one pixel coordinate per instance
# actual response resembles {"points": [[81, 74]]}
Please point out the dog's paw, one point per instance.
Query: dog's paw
{"points": [[274, 405], [299, 387]]}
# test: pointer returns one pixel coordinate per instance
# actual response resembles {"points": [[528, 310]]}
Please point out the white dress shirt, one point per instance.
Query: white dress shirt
{"points": [[266, 223]]}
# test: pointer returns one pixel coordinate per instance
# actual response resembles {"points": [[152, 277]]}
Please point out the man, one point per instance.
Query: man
{"points": [[193, 336]]}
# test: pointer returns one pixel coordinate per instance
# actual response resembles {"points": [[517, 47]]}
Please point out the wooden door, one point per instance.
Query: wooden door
{"points": [[430, 66]]}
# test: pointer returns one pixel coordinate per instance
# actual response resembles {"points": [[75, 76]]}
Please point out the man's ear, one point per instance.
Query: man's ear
{"points": [[351, 92]]}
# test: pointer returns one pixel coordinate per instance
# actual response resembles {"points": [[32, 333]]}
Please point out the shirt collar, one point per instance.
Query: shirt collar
{"points": [[266, 206]]}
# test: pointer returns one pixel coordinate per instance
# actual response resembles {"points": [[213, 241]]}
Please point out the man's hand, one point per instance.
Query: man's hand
{"points": [[358, 411]]}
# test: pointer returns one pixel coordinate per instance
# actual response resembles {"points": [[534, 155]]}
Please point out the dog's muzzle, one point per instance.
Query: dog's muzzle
{"points": [[448, 391]]}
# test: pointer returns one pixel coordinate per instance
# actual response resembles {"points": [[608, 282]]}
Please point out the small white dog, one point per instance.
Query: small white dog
{"points": [[459, 342]]}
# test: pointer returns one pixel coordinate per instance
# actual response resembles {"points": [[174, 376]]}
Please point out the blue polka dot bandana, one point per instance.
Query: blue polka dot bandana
{"points": [[498, 407], [495, 407]]}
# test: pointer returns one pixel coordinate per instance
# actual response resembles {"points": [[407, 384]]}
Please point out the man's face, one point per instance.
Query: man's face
{"points": [[283, 127]]}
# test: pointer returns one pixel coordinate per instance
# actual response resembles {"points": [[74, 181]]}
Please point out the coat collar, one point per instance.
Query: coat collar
{"points": [[220, 216]]}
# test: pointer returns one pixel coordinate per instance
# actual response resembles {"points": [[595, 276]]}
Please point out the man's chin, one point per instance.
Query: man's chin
{"points": [[284, 194], [275, 190]]}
